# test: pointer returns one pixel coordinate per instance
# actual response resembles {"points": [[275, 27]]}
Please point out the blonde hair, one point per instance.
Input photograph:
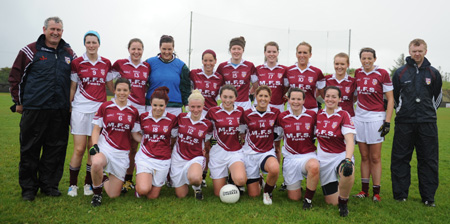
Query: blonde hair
{"points": [[196, 95]]}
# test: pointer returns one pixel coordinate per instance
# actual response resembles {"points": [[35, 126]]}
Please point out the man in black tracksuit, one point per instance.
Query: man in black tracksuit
{"points": [[417, 94], [40, 88]]}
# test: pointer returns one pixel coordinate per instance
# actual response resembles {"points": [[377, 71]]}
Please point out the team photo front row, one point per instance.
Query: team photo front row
{"points": [[238, 140]]}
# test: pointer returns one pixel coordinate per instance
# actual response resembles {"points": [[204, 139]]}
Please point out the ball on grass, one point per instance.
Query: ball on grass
{"points": [[229, 194]]}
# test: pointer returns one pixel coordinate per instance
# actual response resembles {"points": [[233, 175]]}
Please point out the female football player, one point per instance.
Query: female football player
{"points": [[259, 152], [188, 162], [153, 158], [299, 154], [115, 122], [226, 155], [334, 132], [137, 71], [239, 72], [372, 122], [90, 76]]}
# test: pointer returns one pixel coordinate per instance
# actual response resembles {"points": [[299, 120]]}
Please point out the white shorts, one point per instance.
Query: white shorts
{"points": [[158, 168], [179, 168], [279, 107], [329, 163], [294, 168], [173, 110], [220, 161], [81, 123], [246, 104], [253, 163], [367, 132], [117, 161], [140, 108]]}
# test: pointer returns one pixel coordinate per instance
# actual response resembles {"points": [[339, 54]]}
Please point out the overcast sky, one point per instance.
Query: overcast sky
{"points": [[385, 25]]}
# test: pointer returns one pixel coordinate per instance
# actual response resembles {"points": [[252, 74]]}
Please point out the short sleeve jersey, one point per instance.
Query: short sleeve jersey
{"points": [[191, 136], [91, 78], [157, 134], [138, 76], [347, 85], [117, 124], [370, 88], [208, 85], [298, 132], [226, 126], [330, 130], [240, 77], [260, 129], [274, 79], [308, 80]]}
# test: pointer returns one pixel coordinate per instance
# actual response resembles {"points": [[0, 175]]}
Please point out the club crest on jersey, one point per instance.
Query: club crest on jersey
{"points": [[67, 59], [200, 133], [145, 74], [307, 126], [272, 122], [310, 79], [129, 118], [136, 74], [280, 75], [215, 85], [347, 89], [244, 74], [374, 81], [166, 129], [103, 71], [428, 81], [334, 125]]}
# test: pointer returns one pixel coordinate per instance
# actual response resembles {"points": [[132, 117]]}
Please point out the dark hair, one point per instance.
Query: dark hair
{"points": [[304, 44], [237, 41], [209, 51], [135, 40], [295, 90], [160, 93], [228, 87], [263, 87], [122, 80], [271, 43], [333, 87], [367, 49], [166, 39]]}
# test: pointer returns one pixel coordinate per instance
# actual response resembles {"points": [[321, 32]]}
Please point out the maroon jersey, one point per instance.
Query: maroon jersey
{"points": [[240, 77], [156, 135], [370, 89], [330, 130], [298, 132], [226, 126], [208, 85], [117, 124], [274, 79], [308, 80], [191, 136], [260, 129], [137, 75], [347, 87]]}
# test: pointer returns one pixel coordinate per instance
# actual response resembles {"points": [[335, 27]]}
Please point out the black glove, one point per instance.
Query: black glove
{"points": [[384, 129], [213, 141], [94, 150], [346, 167]]}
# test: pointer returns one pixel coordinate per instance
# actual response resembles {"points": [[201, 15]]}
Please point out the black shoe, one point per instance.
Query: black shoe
{"points": [[28, 197], [283, 187], [430, 203], [343, 210], [199, 194], [96, 200], [52, 192], [307, 204]]}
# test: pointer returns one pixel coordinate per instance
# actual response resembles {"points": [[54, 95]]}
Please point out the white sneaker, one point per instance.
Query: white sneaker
{"points": [[267, 198], [73, 191], [88, 190]]}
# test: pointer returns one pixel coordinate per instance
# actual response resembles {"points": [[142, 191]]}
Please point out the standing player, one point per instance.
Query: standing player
{"points": [[114, 123], [371, 120], [90, 74], [153, 158], [258, 148], [239, 72], [334, 132], [188, 162], [167, 70], [305, 76], [344, 82], [136, 71], [300, 159], [226, 155]]}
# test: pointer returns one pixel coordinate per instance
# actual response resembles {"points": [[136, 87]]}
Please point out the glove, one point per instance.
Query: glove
{"points": [[346, 167], [213, 141], [384, 129], [94, 150]]}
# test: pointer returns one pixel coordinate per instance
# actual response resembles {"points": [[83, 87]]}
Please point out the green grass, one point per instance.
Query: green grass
{"points": [[169, 209]]}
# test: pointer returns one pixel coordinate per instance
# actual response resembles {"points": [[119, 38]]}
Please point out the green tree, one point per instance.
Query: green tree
{"points": [[4, 74], [398, 63]]}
